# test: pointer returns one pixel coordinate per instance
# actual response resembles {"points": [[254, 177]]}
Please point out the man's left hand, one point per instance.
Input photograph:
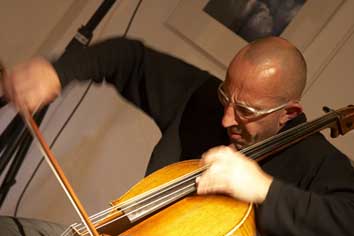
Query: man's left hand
{"points": [[232, 173]]}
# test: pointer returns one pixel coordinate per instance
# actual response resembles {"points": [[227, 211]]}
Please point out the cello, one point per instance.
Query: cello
{"points": [[165, 203]]}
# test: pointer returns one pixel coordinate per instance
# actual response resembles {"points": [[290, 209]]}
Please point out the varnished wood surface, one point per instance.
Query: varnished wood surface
{"points": [[212, 215]]}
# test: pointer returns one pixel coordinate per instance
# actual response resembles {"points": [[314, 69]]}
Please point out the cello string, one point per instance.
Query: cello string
{"points": [[127, 206], [271, 140], [307, 127], [153, 192], [165, 201], [302, 132], [143, 197], [168, 185], [296, 135], [266, 145], [177, 195], [156, 191]]}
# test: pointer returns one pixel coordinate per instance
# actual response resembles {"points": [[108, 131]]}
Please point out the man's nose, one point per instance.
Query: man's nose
{"points": [[228, 118]]}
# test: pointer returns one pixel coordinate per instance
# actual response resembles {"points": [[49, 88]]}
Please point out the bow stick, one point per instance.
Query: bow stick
{"points": [[59, 173]]}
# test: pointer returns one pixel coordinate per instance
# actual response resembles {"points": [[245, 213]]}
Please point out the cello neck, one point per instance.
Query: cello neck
{"points": [[339, 121]]}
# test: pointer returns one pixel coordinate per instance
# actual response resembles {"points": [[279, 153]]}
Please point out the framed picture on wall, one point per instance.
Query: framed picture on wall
{"points": [[220, 28], [253, 19]]}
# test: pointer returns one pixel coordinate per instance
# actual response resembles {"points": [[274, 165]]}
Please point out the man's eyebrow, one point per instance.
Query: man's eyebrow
{"points": [[257, 107]]}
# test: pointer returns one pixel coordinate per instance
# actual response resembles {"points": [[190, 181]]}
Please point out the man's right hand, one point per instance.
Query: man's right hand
{"points": [[31, 85]]}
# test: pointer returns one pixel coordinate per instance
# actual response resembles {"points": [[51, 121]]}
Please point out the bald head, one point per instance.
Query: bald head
{"points": [[277, 65]]}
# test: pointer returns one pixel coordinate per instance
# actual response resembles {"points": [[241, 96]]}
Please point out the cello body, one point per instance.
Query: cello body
{"points": [[213, 215]]}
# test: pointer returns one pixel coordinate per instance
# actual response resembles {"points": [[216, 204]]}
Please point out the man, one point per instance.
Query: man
{"points": [[306, 189]]}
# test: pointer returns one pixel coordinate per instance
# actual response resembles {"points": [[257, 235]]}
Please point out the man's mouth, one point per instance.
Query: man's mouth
{"points": [[234, 132], [234, 135]]}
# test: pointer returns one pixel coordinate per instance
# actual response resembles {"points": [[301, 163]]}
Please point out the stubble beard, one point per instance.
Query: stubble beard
{"points": [[246, 139]]}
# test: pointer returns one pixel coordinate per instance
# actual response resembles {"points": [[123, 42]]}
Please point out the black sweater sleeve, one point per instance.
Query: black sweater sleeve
{"points": [[320, 203], [157, 83]]}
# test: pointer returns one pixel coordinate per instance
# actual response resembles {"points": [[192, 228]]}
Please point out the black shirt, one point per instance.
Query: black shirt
{"points": [[313, 188]]}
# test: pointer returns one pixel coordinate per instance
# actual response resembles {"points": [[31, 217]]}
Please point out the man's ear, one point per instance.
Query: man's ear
{"points": [[290, 112]]}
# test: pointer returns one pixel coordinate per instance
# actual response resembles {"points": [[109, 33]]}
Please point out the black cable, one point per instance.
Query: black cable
{"points": [[12, 128], [10, 180], [132, 18], [21, 150], [15, 138], [101, 12], [69, 118], [3, 101]]}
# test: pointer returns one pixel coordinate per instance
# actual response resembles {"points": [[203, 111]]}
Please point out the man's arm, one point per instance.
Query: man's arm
{"points": [[326, 207], [157, 83]]}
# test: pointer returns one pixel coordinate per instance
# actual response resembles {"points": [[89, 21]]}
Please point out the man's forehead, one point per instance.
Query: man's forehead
{"points": [[244, 73], [255, 87]]}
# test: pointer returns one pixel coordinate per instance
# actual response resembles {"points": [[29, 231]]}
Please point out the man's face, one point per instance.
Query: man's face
{"points": [[255, 87]]}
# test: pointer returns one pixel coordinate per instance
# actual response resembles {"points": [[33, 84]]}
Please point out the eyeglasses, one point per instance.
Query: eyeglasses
{"points": [[241, 109]]}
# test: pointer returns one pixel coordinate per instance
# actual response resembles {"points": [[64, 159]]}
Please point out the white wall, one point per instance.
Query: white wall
{"points": [[105, 147]]}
